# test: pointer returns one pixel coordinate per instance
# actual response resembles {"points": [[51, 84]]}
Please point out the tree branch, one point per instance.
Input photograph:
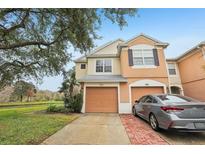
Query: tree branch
{"points": [[28, 43], [19, 64], [23, 44], [20, 25]]}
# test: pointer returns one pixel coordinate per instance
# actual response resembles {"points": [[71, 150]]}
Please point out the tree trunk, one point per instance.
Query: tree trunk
{"points": [[28, 98], [21, 98]]}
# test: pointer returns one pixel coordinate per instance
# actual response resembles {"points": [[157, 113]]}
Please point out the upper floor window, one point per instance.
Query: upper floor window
{"points": [[104, 65], [172, 69], [143, 57], [83, 66]]}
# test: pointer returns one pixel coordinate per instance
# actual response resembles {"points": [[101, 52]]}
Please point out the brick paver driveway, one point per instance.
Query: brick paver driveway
{"points": [[92, 129], [139, 131]]}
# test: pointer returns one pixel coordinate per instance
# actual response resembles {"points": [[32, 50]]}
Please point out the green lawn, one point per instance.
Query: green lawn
{"points": [[27, 125], [29, 103]]}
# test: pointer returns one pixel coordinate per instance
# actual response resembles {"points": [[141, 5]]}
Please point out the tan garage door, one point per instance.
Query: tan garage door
{"points": [[101, 99], [138, 92]]}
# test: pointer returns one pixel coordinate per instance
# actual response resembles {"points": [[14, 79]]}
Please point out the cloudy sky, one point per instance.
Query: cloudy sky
{"points": [[181, 28]]}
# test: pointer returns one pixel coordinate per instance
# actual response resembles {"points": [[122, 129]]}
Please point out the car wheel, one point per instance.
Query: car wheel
{"points": [[153, 122], [134, 111]]}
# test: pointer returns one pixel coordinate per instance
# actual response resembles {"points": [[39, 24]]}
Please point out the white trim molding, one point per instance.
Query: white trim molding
{"points": [[125, 108], [145, 83], [143, 66], [142, 46], [84, 93]]}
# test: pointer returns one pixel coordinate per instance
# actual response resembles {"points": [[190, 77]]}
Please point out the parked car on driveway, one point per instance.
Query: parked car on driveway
{"points": [[168, 111]]}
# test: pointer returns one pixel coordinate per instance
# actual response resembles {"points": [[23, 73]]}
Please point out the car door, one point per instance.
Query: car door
{"points": [[147, 105], [139, 107]]}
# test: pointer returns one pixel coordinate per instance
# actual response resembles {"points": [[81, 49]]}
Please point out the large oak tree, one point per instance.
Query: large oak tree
{"points": [[36, 42]]}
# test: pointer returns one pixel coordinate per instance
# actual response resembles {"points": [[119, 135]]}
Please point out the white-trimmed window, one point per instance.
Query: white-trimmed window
{"points": [[172, 69], [83, 66], [143, 57], [104, 65]]}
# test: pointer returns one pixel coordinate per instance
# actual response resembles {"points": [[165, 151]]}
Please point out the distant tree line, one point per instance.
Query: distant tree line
{"points": [[23, 91]]}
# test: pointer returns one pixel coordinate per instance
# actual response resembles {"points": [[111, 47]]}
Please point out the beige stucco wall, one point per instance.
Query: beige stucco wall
{"points": [[193, 75], [91, 62], [195, 89], [191, 68], [80, 72], [115, 66], [111, 49]]}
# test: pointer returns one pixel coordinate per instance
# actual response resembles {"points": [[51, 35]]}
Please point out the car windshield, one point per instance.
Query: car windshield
{"points": [[174, 99]]}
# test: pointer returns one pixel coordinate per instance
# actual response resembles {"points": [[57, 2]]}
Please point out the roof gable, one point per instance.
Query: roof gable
{"points": [[192, 50], [81, 59], [153, 40], [187, 53], [112, 48], [106, 49]]}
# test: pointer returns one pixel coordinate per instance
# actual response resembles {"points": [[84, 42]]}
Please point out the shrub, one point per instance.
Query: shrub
{"points": [[74, 103], [71, 104], [58, 109], [77, 104], [51, 108], [68, 101]]}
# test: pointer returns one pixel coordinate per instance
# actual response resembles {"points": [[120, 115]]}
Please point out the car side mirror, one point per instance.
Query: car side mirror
{"points": [[136, 101]]}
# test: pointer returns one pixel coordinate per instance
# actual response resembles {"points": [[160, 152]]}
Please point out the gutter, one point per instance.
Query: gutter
{"points": [[99, 81]]}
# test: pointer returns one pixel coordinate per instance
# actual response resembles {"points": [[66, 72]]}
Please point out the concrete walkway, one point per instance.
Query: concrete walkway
{"points": [[95, 128]]}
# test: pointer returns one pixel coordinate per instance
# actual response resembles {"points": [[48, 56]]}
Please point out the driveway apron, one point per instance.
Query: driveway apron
{"points": [[93, 128]]}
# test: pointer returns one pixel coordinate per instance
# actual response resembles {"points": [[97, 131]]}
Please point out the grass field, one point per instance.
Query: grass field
{"points": [[28, 125], [29, 103]]}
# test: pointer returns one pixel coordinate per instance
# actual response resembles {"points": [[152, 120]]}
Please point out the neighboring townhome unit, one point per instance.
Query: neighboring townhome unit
{"points": [[175, 85], [116, 74], [192, 71]]}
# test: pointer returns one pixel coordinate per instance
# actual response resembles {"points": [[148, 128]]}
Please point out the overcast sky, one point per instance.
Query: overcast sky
{"points": [[181, 28]]}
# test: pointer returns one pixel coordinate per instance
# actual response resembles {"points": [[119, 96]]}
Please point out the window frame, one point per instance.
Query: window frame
{"points": [[175, 68], [103, 71], [82, 65], [99, 66], [142, 52]]}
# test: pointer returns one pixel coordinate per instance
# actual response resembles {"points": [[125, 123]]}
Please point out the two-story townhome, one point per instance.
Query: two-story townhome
{"points": [[191, 66], [116, 74]]}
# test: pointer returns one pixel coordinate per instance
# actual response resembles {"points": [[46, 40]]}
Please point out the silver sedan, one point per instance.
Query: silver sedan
{"points": [[171, 112]]}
